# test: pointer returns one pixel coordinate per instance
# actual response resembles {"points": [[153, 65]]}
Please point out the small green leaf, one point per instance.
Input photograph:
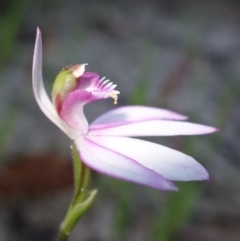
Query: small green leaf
{"points": [[77, 212]]}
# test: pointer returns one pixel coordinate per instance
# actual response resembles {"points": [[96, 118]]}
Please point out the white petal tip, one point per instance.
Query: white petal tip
{"points": [[208, 130], [173, 188], [201, 174]]}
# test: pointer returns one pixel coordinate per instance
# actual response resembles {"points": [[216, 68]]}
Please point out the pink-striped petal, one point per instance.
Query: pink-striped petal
{"points": [[169, 163], [152, 128], [117, 165], [130, 114], [38, 87]]}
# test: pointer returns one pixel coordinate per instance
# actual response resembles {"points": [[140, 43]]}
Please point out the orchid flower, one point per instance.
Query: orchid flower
{"points": [[106, 145]]}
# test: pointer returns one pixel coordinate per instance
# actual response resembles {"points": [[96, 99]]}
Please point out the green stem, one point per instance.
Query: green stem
{"points": [[62, 236], [81, 201], [81, 177]]}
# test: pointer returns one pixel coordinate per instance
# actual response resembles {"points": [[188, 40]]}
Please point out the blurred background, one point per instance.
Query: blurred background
{"points": [[182, 55]]}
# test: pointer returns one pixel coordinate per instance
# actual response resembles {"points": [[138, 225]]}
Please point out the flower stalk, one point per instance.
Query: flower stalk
{"points": [[82, 199], [81, 177]]}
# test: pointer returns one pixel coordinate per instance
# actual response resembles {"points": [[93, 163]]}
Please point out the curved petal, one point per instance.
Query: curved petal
{"points": [[167, 162], [72, 110], [153, 128], [130, 114], [38, 87], [117, 165]]}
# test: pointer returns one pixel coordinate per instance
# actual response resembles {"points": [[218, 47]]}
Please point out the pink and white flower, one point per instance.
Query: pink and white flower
{"points": [[106, 145]]}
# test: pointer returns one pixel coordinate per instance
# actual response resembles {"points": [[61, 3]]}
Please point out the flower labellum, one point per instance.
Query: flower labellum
{"points": [[106, 145]]}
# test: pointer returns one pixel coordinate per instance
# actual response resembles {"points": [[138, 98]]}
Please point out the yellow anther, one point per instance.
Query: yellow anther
{"points": [[115, 97]]}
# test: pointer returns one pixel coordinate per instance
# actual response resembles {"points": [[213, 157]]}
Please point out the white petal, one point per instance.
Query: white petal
{"points": [[169, 163], [38, 87], [130, 114], [115, 164], [153, 128]]}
